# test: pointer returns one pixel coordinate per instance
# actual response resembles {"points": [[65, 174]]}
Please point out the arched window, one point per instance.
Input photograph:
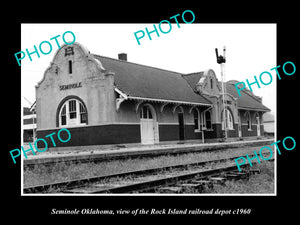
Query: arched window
{"points": [[72, 113], [145, 112], [257, 118], [228, 120], [207, 116], [249, 123], [196, 120]]}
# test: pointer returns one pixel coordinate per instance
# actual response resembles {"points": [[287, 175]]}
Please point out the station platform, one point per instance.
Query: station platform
{"points": [[98, 153]]}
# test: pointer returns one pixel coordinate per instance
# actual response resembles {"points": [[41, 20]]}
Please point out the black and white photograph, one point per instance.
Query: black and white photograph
{"points": [[119, 114]]}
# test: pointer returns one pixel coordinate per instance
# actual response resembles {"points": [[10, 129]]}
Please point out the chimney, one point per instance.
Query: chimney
{"points": [[122, 56]]}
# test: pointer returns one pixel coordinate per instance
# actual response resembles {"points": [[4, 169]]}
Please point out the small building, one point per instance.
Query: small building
{"points": [[103, 100], [269, 126], [29, 124]]}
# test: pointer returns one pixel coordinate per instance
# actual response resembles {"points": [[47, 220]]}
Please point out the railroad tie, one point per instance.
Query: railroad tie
{"points": [[218, 180], [170, 189], [191, 186], [237, 175], [204, 183], [254, 171], [182, 188]]}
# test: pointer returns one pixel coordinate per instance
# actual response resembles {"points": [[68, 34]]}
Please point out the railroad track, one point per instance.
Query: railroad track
{"points": [[170, 184], [156, 179], [123, 155]]}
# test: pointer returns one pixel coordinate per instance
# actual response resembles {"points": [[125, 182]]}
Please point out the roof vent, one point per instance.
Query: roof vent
{"points": [[122, 56]]}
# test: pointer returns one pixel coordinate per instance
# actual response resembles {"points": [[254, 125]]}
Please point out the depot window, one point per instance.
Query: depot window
{"points": [[249, 123], [228, 120], [70, 66], [197, 120], [145, 112], [72, 112], [206, 117], [208, 120]]}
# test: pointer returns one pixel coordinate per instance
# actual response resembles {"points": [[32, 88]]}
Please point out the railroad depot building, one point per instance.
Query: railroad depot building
{"points": [[102, 100]]}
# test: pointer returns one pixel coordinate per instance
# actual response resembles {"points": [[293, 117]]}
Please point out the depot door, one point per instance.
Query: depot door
{"points": [[181, 126], [147, 125]]}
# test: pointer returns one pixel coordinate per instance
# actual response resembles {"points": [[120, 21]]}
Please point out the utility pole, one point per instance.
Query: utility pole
{"points": [[221, 60]]}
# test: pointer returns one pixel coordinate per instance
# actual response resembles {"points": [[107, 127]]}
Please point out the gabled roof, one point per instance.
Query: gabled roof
{"points": [[147, 82], [193, 78], [26, 111], [247, 100]]}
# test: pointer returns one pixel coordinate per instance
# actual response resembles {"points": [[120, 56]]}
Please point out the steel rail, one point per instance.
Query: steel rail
{"points": [[156, 183], [151, 184], [30, 163], [81, 182]]}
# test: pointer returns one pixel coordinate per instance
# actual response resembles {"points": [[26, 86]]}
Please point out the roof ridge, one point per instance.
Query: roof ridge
{"points": [[190, 74], [251, 95], [123, 61], [186, 80], [194, 88]]}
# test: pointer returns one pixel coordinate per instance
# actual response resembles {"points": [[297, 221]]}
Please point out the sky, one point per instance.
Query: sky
{"points": [[250, 50]]}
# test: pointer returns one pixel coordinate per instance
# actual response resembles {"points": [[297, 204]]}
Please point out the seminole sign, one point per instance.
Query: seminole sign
{"points": [[69, 86]]}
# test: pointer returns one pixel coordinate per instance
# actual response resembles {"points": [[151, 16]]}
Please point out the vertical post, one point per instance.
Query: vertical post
{"points": [[221, 60], [33, 132], [225, 91], [224, 102]]}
